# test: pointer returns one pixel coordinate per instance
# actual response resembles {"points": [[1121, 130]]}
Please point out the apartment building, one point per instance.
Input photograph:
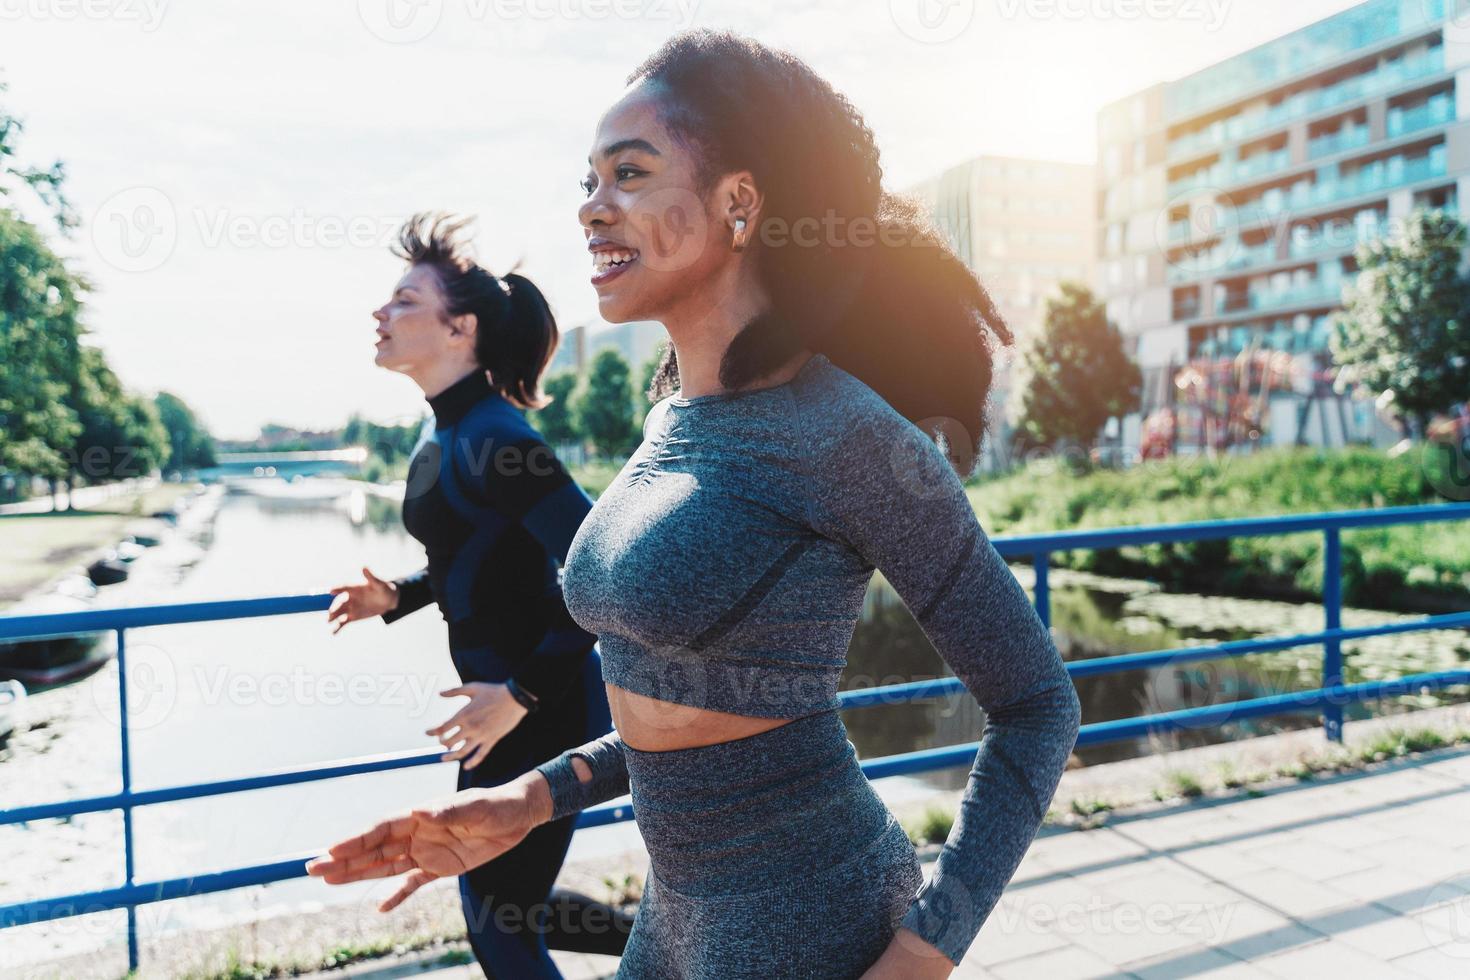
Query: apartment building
{"points": [[1230, 202]]}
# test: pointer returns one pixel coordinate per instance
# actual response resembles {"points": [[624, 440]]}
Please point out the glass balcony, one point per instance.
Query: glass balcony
{"points": [[1434, 112], [1208, 177], [1347, 138], [1240, 126], [1374, 177], [1258, 165], [1315, 293], [1362, 26], [1332, 240]]}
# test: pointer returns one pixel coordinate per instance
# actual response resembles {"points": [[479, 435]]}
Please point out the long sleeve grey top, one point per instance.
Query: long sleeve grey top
{"points": [[725, 568]]}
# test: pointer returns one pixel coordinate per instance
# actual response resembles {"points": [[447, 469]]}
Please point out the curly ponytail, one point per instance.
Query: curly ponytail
{"points": [[852, 272]]}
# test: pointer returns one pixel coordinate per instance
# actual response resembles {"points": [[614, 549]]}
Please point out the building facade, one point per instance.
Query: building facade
{"points": [[1023, 226], [1231, 202], [637, 341]]}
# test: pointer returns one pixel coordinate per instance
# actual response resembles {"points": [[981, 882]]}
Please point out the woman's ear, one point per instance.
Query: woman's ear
{"points": [[465, 325], [742, 198]]}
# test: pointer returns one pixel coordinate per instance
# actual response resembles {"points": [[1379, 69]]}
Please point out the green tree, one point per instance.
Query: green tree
{"points": [[40, 330], [1074, 374], [121, 434], [189, 442], [557, 421], [604, 406], [1406, 329]]}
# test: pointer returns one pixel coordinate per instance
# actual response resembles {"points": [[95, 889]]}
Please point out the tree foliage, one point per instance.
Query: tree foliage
{"points": [[40, 332], [1074, 374], [1406, 329], [557, 422], [190, 444], [604, 406]]}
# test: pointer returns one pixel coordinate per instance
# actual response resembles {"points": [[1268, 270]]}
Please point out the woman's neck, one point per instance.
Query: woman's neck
{"points": [[434, 378], [702, 329]]}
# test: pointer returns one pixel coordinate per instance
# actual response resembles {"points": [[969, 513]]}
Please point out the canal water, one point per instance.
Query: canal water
{"points": [[215, 700]]}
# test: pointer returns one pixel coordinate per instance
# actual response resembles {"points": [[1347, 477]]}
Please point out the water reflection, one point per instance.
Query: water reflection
{"points": [[1094, 616]]}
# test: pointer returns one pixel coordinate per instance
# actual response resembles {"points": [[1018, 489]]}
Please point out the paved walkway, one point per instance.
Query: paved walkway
{"points": [[1365, 875]]}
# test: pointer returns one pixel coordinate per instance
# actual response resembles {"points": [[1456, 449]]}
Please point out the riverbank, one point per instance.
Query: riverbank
{"points": [[40, 547], [1409, 568]]}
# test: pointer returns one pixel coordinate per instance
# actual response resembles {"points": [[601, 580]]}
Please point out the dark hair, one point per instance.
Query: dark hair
{"points": [[885, 298], [516, 334]]}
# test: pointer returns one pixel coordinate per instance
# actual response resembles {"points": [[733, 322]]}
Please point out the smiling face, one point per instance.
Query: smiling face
{"points": [[414, 331], [656, 235]]}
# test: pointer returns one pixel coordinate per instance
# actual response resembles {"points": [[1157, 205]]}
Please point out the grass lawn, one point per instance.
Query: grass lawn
{"points": [[38, 547]]}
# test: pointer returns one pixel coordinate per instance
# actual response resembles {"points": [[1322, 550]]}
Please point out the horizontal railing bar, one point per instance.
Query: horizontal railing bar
{"points": [[1208, 716], [1025, 545], [1238, 648], [194, 791], [134, 617]]}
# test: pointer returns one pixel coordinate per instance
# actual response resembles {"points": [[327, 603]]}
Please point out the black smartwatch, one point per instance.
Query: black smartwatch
{"points": [[523, 697]]}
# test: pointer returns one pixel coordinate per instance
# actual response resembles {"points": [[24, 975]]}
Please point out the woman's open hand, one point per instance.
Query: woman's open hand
{"points": [[473, 730], [371, 597], [445, 838]]}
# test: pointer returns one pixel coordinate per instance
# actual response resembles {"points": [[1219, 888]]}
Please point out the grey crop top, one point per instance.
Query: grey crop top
{"points": [[725, 568]]}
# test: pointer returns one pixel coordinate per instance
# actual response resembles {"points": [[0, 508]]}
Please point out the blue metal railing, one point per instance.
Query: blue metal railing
{"points": [[1328, 699]]}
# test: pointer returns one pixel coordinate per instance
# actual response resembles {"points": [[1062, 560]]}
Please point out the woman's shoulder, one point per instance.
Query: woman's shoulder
{"points": [[838, 410], [496, 418]]}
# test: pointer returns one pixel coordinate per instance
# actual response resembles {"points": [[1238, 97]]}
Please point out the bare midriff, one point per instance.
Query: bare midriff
{"points": [[650, 725]]}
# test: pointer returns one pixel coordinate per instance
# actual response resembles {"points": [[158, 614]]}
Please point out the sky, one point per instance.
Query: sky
{"points": [[240, 165]]}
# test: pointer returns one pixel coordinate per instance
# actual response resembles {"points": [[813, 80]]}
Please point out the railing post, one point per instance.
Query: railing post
{"points": [[1332, 649], [127, 789], [1041, 563]]}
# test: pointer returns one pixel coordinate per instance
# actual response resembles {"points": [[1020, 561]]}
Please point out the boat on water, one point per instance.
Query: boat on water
{"points": [[12, 706], [110, 569], [51, 660]]}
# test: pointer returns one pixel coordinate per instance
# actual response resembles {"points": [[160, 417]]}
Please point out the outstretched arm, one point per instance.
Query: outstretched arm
{"points": [[884, 487]]}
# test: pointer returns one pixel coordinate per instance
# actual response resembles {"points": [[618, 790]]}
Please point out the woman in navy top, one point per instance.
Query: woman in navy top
{"points": [[496, 513]]}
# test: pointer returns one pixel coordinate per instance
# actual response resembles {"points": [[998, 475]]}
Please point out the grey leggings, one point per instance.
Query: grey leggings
{"points": [[770, 856]]}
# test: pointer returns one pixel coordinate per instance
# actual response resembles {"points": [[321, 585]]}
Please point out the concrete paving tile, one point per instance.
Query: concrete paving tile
{"points": [[1329, 959], [1015, 929], [1304, 856], [1290, 893], [1067, 963]]}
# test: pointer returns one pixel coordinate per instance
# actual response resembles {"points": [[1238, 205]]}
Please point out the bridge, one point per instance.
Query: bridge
{"points": [[1368, 871], [326, 462]]}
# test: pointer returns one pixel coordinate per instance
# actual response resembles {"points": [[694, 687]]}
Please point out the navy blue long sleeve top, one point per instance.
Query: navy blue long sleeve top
{"points": [[496, 513]]}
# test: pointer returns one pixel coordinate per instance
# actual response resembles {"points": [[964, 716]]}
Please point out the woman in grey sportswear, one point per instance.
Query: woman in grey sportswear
{"points": [[822, 337]]}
